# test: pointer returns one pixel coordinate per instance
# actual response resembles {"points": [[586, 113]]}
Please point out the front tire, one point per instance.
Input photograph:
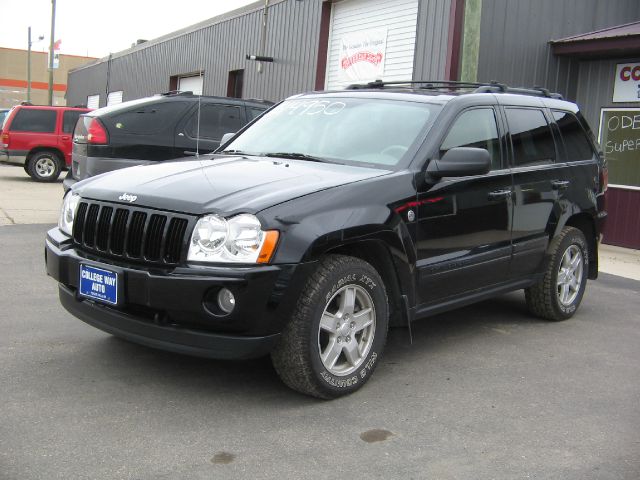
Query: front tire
{"points": [[338, 330], [558, 295], [44, 166]]}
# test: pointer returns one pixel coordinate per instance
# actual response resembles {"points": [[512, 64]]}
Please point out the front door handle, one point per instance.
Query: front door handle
{"points": [[499, 194], [560, 184]]}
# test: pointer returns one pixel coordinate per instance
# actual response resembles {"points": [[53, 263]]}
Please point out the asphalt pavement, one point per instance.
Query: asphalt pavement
{"points": [[485, 392]]}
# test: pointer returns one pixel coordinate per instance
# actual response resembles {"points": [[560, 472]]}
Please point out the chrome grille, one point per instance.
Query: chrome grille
{"points": [[130, 233]]}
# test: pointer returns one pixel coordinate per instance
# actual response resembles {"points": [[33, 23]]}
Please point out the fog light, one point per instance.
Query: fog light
{"points": [[226, 300]]}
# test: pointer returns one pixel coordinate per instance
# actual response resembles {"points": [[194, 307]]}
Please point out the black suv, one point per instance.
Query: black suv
{"points": [[163, 127], [334, 216]]}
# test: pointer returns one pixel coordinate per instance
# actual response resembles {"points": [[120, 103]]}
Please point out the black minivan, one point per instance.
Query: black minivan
{"points": [[163, 127]]}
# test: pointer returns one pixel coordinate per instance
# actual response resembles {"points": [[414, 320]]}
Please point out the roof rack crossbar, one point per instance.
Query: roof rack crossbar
{"points": [[490, 87]]}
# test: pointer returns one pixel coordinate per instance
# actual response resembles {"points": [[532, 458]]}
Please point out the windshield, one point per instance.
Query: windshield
{"points": [[343, 130]]}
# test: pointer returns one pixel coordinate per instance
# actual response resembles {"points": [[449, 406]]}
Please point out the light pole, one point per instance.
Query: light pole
{"points": [[53, 27], [30, 44]]}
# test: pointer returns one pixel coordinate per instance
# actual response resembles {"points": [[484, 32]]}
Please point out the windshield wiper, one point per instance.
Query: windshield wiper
{"points": [[296, 156], [236, 152]]}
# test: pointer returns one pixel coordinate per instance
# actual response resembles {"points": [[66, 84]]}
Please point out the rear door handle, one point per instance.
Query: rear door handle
{"points": [[64, 137], [560, 184], [499, 194]]}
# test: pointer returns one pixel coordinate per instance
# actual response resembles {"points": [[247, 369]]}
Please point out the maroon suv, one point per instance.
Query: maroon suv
{"points": [[39, 138]]}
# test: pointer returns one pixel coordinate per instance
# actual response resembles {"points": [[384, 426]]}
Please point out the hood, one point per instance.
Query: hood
{"points": [[220, 184]]}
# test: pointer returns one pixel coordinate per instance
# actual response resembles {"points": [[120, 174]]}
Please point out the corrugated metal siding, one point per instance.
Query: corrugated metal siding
{"points": [[87, 81], [623, 222], [431, 40], [292, 38], [595, 88], [514, 37]]}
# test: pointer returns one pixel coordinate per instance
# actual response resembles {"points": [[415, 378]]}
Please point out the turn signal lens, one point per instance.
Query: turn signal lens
{"points": [[269, 246]]}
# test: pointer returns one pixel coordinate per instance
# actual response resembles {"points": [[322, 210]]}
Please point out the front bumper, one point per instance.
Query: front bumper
{"points": [[172, 309]]}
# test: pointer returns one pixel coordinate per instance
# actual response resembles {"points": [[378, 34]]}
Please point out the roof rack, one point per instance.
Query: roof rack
{"points": [[449, 85], [175, 92]]}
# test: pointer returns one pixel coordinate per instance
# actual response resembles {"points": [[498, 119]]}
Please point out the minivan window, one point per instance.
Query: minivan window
{"points": [[69, 119], [577, 145], [215, 121], [144, 119], [475, 128], [34, 120], [531, 137]]}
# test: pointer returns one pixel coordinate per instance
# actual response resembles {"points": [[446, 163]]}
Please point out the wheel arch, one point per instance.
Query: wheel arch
{"points": [[39, 149], [392, 267], [586, 224]]}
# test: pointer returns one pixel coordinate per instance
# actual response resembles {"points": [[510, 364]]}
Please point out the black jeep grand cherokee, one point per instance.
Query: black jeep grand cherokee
{"points": [[334, 216]]}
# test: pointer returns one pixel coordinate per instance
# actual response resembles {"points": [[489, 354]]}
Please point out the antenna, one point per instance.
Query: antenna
{"points": [[198, 127]]}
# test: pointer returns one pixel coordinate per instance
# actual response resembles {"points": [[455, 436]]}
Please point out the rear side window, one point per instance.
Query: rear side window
{"points": [[146, 119], [576, 143], [475, 128], [215, 121], [254, 112], [531, 137], [41, 121], [69, 119]]}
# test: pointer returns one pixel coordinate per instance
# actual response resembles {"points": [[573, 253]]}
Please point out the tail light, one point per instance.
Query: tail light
{"points": [[96, 133], [604, 179], [5, 139]]}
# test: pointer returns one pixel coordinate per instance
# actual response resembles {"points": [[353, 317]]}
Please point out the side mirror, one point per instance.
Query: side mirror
{"points": [[225, 138], [460, 162]]}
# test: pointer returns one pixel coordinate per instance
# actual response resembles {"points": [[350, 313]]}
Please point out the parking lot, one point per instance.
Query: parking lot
{"points": [[485, 392]]}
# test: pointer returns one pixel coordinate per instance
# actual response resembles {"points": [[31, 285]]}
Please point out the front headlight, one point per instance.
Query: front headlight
{"points": [[239, 239], [68, 213]]}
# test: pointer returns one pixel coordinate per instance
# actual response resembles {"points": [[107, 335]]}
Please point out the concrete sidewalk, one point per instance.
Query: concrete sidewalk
{"points": [[23, 201]]}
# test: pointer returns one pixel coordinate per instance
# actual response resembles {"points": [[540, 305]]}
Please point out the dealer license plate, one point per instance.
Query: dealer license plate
{"points": [[99, 284]]}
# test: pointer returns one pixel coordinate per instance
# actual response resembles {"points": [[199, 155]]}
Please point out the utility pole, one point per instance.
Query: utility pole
{"points": [[29, 66], [53, 33]]}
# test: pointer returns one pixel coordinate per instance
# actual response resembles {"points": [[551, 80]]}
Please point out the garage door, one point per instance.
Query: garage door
{"points": [[191, 84], [371, 39]]}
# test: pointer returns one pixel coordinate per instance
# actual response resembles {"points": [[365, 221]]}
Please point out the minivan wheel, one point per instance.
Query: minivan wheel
{"points": [[44, 166], [337, 332], [559, 293]]}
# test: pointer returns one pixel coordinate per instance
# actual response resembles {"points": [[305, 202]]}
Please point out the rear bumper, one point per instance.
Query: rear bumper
{"points": [[16, 157]]}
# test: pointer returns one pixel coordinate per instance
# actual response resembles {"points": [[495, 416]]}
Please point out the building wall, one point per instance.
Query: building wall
{"points": [[595, 88], [514, 36], [431, 40], [13, 77], [292, 39]]}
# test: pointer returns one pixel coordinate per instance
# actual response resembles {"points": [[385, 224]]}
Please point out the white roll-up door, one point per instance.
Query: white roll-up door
{"points": [[191, 84], [388, 26], [93, 101], [114, 98]]}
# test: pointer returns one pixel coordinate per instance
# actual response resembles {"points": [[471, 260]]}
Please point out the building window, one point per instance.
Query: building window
{"points": [[234, 84]]}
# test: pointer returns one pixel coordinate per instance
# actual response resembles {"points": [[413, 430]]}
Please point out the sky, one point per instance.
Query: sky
{"points": [[95, 29]]}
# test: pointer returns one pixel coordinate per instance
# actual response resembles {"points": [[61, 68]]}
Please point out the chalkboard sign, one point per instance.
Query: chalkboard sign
{"points": [[620, 141]]}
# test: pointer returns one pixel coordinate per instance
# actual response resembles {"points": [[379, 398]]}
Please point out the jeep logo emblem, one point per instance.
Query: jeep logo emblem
{"points": [[128, 198]]}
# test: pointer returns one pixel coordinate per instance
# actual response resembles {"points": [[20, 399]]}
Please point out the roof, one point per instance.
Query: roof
{"points": [[620, 40]]}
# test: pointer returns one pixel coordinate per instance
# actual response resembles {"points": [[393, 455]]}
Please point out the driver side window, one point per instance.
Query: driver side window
{"points": [[475, 128]]}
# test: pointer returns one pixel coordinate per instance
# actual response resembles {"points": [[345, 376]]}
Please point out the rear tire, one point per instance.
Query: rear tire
{"points": [[558, 295], [337, 332], [44, 166]]}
